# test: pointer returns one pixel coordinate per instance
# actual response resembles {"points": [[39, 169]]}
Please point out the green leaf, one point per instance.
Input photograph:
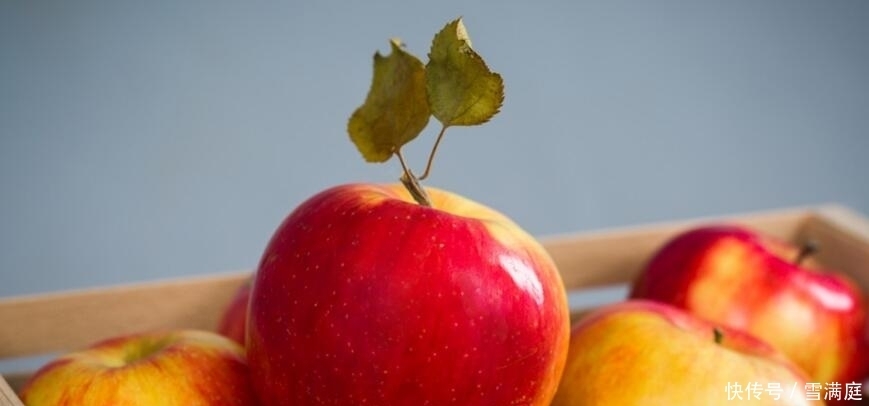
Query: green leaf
{"points": [[461, 88], [396, 109]]}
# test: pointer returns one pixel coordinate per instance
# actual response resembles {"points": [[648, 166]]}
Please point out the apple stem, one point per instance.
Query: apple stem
{"points": [[431, 155], [718, 334], [411, 183], [810, 247]]}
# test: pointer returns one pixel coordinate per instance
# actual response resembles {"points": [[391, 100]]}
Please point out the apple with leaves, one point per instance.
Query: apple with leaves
{"points": [[398, 294], [179, 367], [736, 276], [640, 352]]}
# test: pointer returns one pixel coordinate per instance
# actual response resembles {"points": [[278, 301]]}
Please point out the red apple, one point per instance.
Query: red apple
{"points": [[364, 297], [639, 352], [737, 277], [185, 367], [234, 317]]}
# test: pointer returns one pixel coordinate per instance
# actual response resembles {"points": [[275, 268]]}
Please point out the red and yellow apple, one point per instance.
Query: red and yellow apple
{"points": [[737, 277], [234, 317], [363, 296], [183, 367], [639, 352]]}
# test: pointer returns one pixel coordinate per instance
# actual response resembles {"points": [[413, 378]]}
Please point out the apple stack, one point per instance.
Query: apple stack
{"points": [[723, 313]]}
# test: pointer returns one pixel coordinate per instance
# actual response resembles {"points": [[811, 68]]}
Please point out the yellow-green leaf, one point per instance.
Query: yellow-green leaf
{"points": [[395, 110], [461, 88]]}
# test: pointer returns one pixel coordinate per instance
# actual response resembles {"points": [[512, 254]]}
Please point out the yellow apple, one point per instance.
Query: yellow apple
{"points": [[638, 352], [185, 367]]}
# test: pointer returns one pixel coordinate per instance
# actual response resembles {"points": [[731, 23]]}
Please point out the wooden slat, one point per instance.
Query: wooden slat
{"points": [[7, 395], [15, 380], [63, 321]]}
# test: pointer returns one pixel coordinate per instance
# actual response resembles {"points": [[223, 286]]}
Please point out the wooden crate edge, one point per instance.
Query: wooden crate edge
{"points": [[51, 330], [7, 395]]}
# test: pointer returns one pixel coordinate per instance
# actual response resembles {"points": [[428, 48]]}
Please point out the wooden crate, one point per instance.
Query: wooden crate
{"points": [[57, 322]]}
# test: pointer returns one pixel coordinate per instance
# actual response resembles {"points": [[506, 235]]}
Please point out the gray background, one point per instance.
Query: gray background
{"points": [[149, 140]]}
